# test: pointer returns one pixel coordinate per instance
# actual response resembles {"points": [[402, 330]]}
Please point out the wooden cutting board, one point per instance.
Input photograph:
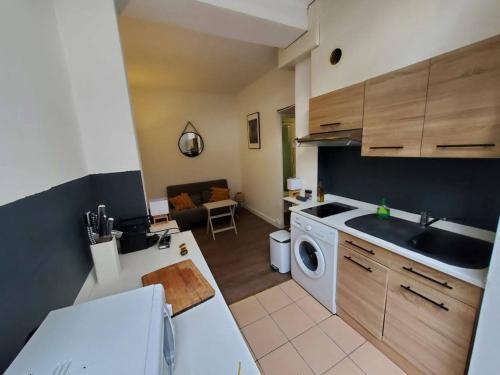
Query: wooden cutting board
{"points": [[185, 286]]}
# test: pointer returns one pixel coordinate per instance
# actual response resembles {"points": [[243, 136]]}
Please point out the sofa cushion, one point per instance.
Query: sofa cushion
{"points": [[192, 216], [196, 197], [205, 196]]}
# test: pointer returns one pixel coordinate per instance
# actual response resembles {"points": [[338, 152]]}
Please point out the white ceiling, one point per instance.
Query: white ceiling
{"points": [[161, 56], [274, 23]]}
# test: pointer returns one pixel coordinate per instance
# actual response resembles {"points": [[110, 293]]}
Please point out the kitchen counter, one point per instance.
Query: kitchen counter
{"points": [[472, 276], [207, 338]]}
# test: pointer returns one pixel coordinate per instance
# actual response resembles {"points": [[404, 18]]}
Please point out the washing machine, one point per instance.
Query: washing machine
{"points": [[314, 258]]}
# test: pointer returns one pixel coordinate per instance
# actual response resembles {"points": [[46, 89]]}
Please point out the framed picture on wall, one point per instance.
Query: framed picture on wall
{"points": [[253, 121]]}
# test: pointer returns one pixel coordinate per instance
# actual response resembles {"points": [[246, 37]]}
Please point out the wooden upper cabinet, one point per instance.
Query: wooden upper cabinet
{"points": [[338, 110], [463, 103], [394, 110]]}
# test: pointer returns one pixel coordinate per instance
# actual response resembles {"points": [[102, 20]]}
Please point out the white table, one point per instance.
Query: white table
{"points": [[207, 338], [226, 203]]}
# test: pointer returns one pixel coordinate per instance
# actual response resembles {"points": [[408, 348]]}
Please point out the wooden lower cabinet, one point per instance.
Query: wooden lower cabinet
{"points": [[430, 329], [361, 289]]}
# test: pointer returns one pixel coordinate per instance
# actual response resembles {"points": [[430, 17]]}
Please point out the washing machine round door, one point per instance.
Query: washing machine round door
{"points": [[309, 257]]}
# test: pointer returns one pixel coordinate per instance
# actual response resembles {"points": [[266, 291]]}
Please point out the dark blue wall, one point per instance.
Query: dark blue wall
{"points": [[457, 188], [44, 254]]}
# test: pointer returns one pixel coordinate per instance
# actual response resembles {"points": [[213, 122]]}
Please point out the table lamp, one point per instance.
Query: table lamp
{"points": [[159, 209], [293, 185]]}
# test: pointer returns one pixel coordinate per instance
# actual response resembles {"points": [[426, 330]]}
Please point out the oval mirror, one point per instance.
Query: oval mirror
{"points": [[191, 144]]}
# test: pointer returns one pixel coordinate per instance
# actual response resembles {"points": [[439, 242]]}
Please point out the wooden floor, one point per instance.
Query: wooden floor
{"points": [[240, 263]]}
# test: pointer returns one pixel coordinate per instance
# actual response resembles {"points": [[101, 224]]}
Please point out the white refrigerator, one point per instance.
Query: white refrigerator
{"points": [[485, 359], [127, 333]]}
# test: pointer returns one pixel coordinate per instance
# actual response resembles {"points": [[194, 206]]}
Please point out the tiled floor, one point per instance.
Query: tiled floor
{"points": [[289, 332]]}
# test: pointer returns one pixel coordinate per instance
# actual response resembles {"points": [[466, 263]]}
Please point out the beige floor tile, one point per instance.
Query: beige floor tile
{"points": [[273, 299], [374, 362], [284, 361], [247, 311], [250, 348], [345, 367], [315, 310], [292, 320], [319, 352], [343, 335], [259, 367], [293, 290], [263, 336]]}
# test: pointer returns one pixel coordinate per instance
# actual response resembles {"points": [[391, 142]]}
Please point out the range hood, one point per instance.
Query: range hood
{"points": [[340, 138]]}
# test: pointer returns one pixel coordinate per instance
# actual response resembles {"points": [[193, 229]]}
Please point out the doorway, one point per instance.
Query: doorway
{"points": [[288, 143], [287, 139]]}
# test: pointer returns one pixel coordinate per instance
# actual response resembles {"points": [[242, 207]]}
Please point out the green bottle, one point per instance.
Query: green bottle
{"points": [[383, 212]]}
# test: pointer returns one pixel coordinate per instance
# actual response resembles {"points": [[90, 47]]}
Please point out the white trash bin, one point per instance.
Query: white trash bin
{"points": [[279, 243]]}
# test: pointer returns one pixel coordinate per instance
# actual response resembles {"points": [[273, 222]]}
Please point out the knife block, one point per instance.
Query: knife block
{"points": [[106, 261]]}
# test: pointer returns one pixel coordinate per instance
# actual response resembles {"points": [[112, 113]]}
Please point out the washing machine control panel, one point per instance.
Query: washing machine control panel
{"points": [[313, 228]]}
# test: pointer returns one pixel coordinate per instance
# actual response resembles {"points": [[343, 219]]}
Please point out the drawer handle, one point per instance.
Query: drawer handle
{"points": [[467, 145], [386, 147], [332, 124], [359, 264], [440, 305], [361, 248], [442, 283]]}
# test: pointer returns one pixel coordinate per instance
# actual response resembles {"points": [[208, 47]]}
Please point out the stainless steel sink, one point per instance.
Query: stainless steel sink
{"points": [[448, 247]]}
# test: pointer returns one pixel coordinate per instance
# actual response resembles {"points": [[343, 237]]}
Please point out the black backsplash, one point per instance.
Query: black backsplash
{"points": [[44, 252], [468, 189]]}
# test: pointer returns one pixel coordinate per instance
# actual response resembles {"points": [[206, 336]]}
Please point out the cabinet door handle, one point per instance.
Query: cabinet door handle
{"points": [[440, 305], [467, 145], [358, 264], [386, 147], [332, 124], [442, 283], [361, 248]]}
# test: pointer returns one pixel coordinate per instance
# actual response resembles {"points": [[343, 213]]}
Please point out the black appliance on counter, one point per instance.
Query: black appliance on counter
{"points": [[328, 209], [135, 234]]}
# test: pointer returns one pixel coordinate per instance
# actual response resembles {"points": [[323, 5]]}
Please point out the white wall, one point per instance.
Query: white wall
{"points": [[377, 37], [93, 53], [484, 359], [39, 137], [262, 170], [306, 157], [380, 36], [160, 117]]}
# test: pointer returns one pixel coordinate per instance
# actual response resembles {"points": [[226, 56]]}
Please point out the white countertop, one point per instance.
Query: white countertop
{"points": [[207, 338], [475, 277]]}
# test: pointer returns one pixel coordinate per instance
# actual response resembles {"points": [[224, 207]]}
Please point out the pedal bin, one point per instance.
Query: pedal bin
{"points": [[279, 243]]}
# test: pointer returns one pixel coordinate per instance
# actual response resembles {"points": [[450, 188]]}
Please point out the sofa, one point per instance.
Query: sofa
{"points": [[199, 193]]}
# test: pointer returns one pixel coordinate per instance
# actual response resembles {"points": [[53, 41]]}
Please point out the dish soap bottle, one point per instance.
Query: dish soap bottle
{"points": [[321, 192], [383, 211]]}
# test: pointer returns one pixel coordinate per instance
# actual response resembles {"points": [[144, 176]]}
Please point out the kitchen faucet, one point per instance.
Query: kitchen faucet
{"points": [[424, 219]]}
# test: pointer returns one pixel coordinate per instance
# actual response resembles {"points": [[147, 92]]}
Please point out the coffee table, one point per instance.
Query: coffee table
{"points": [[226, 203]]}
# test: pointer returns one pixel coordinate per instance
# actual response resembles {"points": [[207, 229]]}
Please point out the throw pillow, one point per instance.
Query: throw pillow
{"points": [[188, 202], [178, 202], [218, 194]]}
